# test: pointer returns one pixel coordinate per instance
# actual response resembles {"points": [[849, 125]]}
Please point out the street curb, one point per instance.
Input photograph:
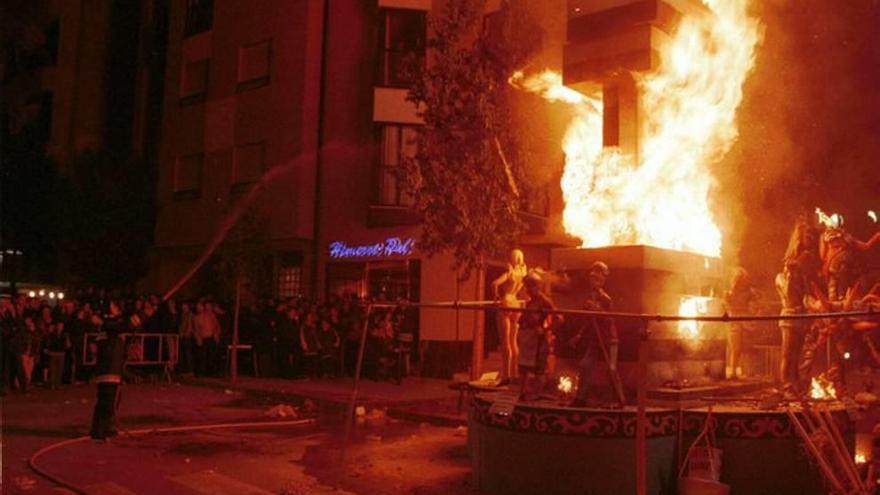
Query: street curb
{"points": [[394, 409]]}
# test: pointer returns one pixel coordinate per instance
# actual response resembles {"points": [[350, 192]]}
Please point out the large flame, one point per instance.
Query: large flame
{"points": [[692, 306], [689, 106], [822, 389]]}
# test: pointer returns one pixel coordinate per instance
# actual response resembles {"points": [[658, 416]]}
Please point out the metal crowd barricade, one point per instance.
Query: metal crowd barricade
{"points": [[141, 349]]}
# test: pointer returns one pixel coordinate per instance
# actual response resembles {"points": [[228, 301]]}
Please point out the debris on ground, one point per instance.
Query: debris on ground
{"points": [[461, 431], [282, 411], [228, 392], [374, 438]]}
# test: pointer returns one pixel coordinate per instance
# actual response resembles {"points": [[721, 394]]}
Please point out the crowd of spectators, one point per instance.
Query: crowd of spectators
{"points": [[47, 341]]}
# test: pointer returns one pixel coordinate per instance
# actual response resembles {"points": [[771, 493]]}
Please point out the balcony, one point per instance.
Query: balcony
{"points": [[391, 216]]}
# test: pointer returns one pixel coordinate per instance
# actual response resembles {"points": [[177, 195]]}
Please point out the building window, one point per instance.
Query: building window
{"points": [[402, 36], [199, 17], [194, 82], [188, 176], [248, 163], [290, 274], [254, 62], [396, 143]]}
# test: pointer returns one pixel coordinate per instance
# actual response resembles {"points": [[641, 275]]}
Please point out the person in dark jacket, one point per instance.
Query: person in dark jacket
{"points": [[328, 341], [108, 370]]}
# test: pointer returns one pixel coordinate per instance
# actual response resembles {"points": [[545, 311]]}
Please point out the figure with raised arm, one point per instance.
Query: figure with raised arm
{"points": [[839, 252], [507, 288]]}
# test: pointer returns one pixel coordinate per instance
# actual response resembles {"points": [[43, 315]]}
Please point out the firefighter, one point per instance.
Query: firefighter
{"points": [[108, 370]]}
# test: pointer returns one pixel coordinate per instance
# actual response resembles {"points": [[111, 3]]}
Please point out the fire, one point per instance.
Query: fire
{"points": [[861, 459], [822, 389], [872, 215], [692, 306], [566, 384], [689, 105], [832, 221]]}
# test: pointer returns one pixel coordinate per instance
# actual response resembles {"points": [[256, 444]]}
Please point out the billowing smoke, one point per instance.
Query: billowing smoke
{"points": [[809, 129]]}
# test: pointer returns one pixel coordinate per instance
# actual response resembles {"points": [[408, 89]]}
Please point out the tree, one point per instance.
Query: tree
{"points": [[109, 206], [243, 261], [468, 173]]}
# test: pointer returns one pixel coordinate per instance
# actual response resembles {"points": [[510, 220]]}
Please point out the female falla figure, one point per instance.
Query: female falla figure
{"points": [[507, 288], [800, 265]]}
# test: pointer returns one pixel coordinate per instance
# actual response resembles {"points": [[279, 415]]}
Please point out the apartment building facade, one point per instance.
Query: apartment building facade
{"points": [[312, 92], [83, 73]]}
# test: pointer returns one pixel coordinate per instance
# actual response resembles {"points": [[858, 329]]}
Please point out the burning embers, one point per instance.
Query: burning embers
{"points": [[688, 106], [566, 385], [822, 389]]}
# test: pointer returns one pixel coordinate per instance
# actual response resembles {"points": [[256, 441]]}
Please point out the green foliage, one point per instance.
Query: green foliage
{"points": [[467, 195], [109, 208]]}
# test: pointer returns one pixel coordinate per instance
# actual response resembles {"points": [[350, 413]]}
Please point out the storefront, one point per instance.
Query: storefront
{"points": [[383, 271], [392, 269]]}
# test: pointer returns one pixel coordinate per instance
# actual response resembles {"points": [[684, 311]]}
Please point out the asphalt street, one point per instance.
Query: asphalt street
{"points": [[383, 456]]}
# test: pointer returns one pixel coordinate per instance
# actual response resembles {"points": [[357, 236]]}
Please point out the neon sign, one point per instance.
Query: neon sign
{"points": [[392, 246]]}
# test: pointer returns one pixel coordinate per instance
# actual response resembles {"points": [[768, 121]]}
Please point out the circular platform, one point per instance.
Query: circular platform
{"points": [[543, 448]]}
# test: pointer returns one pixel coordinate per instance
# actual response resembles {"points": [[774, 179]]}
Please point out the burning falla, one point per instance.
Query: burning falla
{"points": [[689, 105]]}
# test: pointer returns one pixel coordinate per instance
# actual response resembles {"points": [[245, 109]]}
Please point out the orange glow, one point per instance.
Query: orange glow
{"points": [[692, 306], [689, 107], [566, 384], [822, 389], [831, 221]]}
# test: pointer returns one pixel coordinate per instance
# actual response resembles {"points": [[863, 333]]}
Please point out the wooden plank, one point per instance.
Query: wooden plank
{"points": [[607, 22]]}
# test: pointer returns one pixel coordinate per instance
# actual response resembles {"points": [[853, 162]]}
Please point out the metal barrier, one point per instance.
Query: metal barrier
{"points": [[141, 349]]}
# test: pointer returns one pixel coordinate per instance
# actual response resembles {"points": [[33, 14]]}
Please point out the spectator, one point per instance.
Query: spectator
{"points": [[186, 338], [288, 342], [26, 347], [57, 344], [8, 329], [328, 341], [207, 335], [308, 339]]}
